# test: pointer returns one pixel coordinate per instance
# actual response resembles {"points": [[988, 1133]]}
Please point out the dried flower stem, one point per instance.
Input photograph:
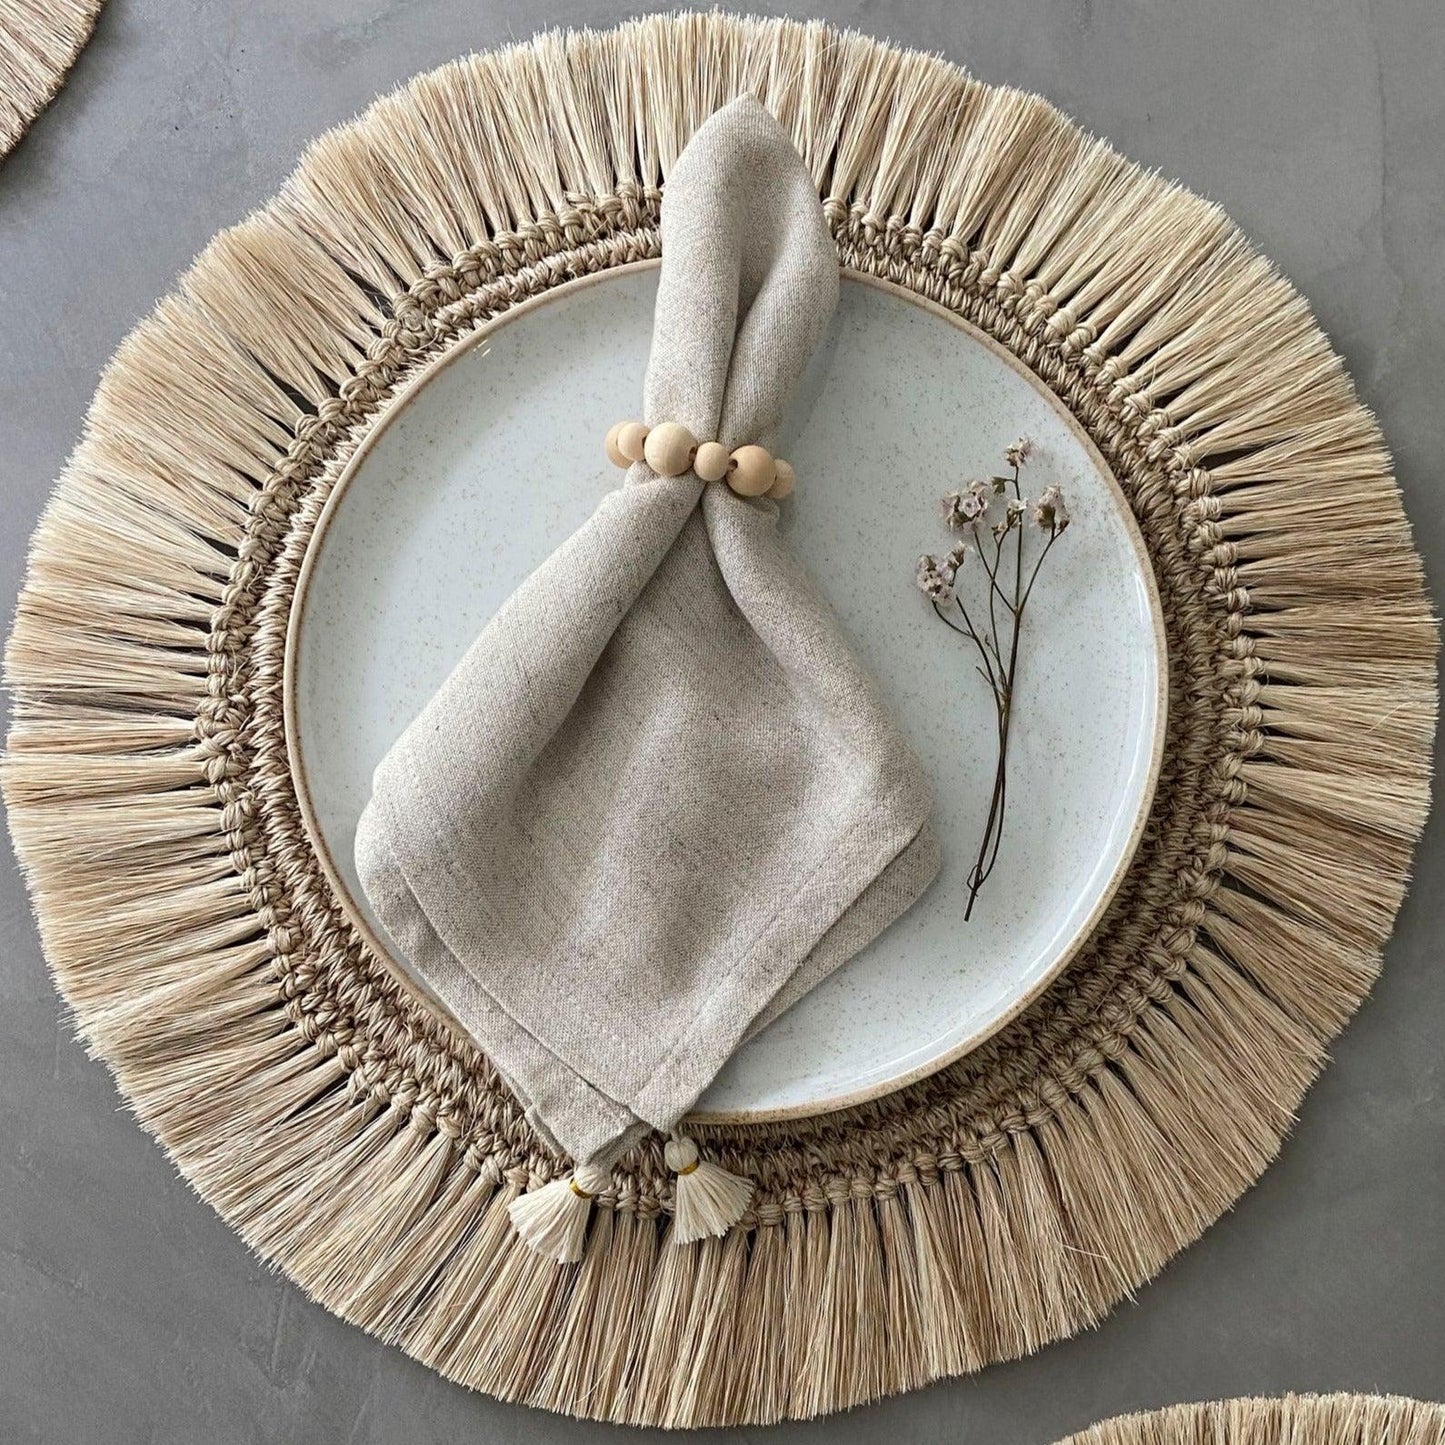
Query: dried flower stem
{"points": [[1007, 601]]}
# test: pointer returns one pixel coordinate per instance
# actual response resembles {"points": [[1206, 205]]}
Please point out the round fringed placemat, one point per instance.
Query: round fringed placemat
{"points": [[1292, 1420], [39, 40], [346, 1132]]}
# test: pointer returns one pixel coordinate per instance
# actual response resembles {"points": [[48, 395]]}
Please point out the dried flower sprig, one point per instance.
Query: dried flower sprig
{"points": [[989, 512]]}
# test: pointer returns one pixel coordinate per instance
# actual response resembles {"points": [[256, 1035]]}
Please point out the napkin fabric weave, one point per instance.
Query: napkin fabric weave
{"points": [[658, 799]]}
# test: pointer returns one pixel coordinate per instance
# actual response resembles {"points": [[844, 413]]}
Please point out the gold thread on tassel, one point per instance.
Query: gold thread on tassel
{"points": [[707, 1199], [552, 1221]]}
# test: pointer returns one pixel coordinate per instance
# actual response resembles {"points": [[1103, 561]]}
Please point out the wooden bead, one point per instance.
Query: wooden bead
{"points": [[669, 448], [631, 438], [784, 482], [712, 461], [615, 454], [753, 471]]}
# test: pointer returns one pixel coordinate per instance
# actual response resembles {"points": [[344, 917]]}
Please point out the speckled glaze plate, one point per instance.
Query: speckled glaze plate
{"points": [[493, 457]]}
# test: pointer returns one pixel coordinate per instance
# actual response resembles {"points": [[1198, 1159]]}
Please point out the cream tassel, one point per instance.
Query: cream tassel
{"points": [[552, 1220], [709, 1200]]}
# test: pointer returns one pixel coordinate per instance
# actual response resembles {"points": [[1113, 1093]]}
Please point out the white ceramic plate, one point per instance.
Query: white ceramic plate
{"points": [[494, 456]]}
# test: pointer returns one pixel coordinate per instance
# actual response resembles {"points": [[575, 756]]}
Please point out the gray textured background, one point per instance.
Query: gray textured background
{"points": [[128, 1312]]}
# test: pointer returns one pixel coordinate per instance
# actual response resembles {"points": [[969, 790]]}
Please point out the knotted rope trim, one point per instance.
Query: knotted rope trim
{"points": [[350, 1136]]}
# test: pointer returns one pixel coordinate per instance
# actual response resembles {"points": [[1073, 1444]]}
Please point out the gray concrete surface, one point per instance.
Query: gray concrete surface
{"points": [[128, 1312]]}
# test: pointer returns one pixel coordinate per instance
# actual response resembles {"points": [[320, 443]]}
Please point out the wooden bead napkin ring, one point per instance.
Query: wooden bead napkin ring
{"points": [[670, 450]]}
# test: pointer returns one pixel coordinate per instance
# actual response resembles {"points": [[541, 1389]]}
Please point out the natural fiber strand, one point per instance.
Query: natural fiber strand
{"points": [[39, 40], [1290, 1420], [356, 1141]]}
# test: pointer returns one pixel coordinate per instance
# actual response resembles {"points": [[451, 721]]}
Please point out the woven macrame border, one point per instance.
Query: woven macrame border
{"points": [[39, 41], [354, 1139], [1290, 1420]]}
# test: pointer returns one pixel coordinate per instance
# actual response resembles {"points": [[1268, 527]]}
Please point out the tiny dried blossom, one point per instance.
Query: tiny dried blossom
{"points": [[963, 509], [1051, 512], [1019, 453], [931, 581], [950, 562], [1013, 515]]}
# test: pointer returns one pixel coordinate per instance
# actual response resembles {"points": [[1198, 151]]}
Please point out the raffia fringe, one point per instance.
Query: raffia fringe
{"points": [[866, 1267], [39, 40], [1291, 1420]]}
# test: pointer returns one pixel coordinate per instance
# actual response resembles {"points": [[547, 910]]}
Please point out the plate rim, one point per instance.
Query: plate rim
{"points": [[465, 345]]}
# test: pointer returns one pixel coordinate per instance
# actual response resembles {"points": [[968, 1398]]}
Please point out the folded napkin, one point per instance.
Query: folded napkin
{"points": [[658, 800]]}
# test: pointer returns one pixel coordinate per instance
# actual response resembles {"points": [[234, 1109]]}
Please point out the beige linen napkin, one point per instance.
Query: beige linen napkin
{"points": [[658, 800]]}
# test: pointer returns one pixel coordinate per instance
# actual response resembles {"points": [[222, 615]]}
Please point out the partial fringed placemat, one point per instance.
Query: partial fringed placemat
{"points": [[355, 1140], [1292, 1420], [39, 40]]}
